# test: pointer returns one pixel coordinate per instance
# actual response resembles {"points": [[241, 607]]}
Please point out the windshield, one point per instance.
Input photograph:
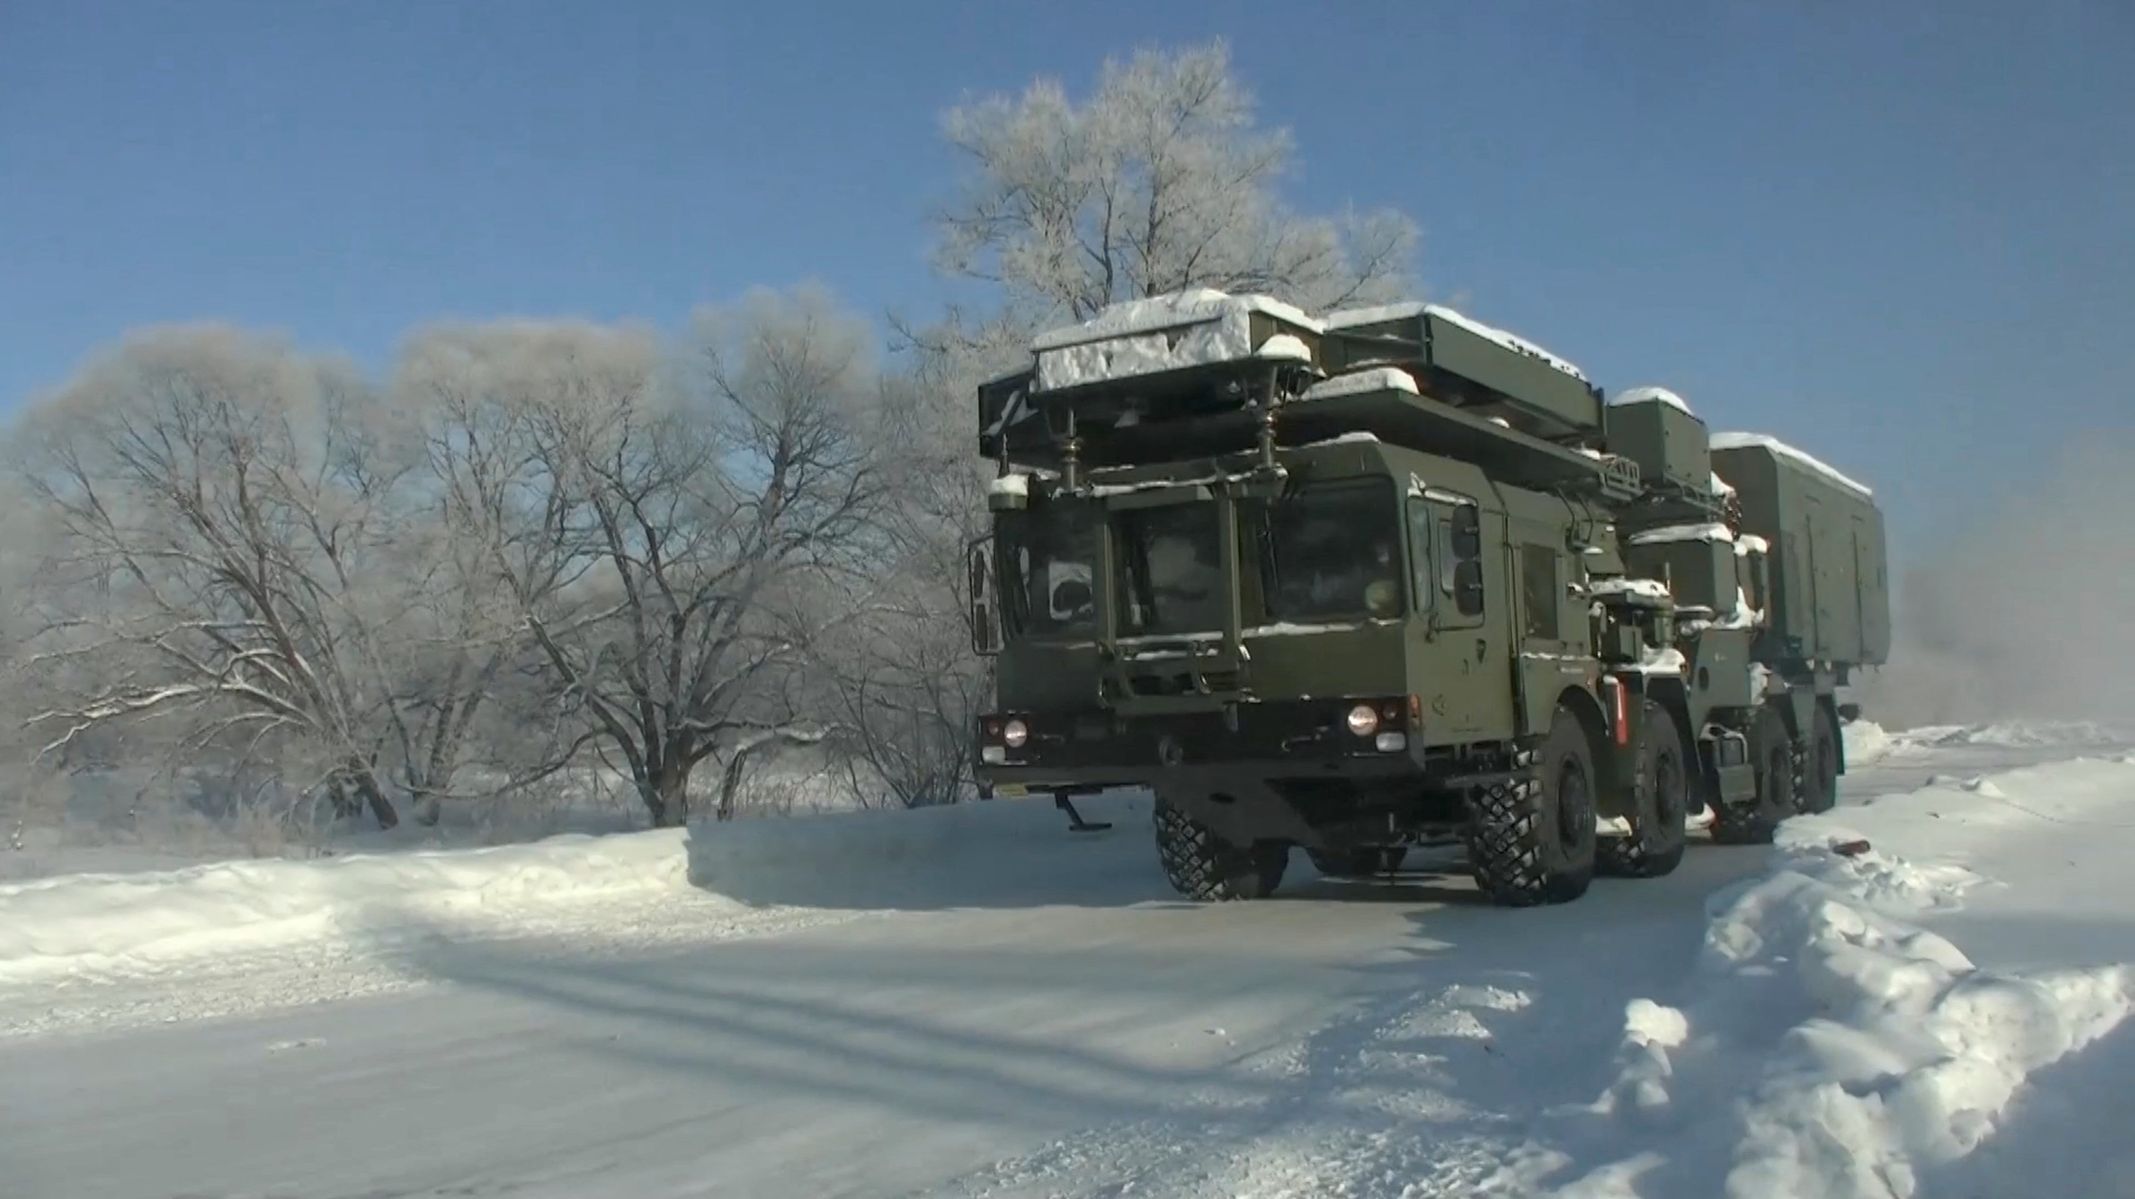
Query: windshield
{"points": [[1047, 572], [1333, 551], [1172, 581]]}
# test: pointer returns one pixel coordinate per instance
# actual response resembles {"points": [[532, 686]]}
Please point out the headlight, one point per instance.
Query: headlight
{"points": [[1014, 734], [1364, 720]]}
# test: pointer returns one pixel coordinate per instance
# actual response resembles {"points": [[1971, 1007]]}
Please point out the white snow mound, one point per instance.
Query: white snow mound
{"points": [[1865, 741], [1828, 1044], [111, 927]]}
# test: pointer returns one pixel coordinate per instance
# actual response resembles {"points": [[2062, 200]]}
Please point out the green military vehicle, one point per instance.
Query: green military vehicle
{"points": [[1391, 577]]}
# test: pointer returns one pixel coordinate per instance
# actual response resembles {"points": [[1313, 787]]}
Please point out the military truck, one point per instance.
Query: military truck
{"points": [[1389, 577]]}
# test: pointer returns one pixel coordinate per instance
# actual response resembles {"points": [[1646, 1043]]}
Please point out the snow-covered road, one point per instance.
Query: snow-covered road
{"points": [[978, 1003]]}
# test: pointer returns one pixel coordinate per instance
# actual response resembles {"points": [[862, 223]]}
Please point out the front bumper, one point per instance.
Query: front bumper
{"points": [[1283, 739]]}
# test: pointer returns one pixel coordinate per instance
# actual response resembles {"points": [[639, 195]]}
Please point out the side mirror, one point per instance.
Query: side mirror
{"points": [[1848, 713], [1468, 587], [1072, 595], [985, 629]]}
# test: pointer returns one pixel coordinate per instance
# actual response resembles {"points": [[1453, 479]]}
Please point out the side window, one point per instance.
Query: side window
{"points": [[1540, 594], [1422, 570], [1047, 572]]}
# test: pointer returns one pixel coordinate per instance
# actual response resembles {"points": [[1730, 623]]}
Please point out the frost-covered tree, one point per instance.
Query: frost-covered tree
{"points": [[675, 539], [906, 681], [227, 511], [1160, 180]]}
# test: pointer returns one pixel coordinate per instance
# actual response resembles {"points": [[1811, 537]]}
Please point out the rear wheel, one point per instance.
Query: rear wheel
{"points": [[1531, 838], [1203, 866], [1779, 786], [1821, 792], [1357, 863], [1655, 845]]}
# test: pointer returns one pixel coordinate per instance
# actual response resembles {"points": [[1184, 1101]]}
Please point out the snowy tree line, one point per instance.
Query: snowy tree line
{"points": [[526, 548]]}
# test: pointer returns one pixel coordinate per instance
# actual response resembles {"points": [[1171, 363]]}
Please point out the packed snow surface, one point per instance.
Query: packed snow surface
{"points": [[1383, 378], [1348, 318], [1739, 441], [1921, 993], [1644, 395]]}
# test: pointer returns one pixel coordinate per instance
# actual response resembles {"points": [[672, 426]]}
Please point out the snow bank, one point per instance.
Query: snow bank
{"points": [[1865, 742], [1833, 1045], [1739, 441], [115, 926], [1868, 742], [2013, 734]]}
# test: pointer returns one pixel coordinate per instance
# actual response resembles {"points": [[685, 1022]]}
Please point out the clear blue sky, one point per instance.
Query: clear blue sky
{"points": [[1904, 240]]}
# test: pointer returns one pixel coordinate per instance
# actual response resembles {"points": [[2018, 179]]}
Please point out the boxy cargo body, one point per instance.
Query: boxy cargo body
{"points": [[1365, 581], [1830, 598]]}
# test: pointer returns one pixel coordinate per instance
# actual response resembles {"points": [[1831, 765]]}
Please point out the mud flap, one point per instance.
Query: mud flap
{"points": [[1737, 783]]}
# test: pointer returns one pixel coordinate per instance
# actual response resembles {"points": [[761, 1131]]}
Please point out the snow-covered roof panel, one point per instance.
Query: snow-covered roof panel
{"points": [[1643, 395], [1385, 378], [1743, 441], [1348, 318], [1170, 311], [1377, 314], [1708, 531], [1284, 346]]}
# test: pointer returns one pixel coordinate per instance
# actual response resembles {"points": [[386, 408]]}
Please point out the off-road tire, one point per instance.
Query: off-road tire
{"points": [[1203, 866], [1781, 765], [1819, 791], [1357, 863], [1658, 836], [1531, 839]]}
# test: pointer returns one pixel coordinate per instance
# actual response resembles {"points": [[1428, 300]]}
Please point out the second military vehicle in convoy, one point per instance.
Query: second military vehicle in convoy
{"points": [[1357, 582]]}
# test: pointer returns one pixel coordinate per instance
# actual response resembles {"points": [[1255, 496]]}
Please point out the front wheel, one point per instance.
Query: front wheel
{"points": [[1203, 866], [1655, 845], [1531, 838]]}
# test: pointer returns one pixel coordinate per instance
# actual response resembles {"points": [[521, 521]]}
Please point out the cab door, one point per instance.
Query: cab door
{"points": [[1549, 622], [1458, 664]]}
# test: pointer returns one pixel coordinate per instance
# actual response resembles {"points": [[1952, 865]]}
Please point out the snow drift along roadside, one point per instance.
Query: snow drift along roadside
{"points": [[1867, 741], [115, 926], [1833, 1046]]}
